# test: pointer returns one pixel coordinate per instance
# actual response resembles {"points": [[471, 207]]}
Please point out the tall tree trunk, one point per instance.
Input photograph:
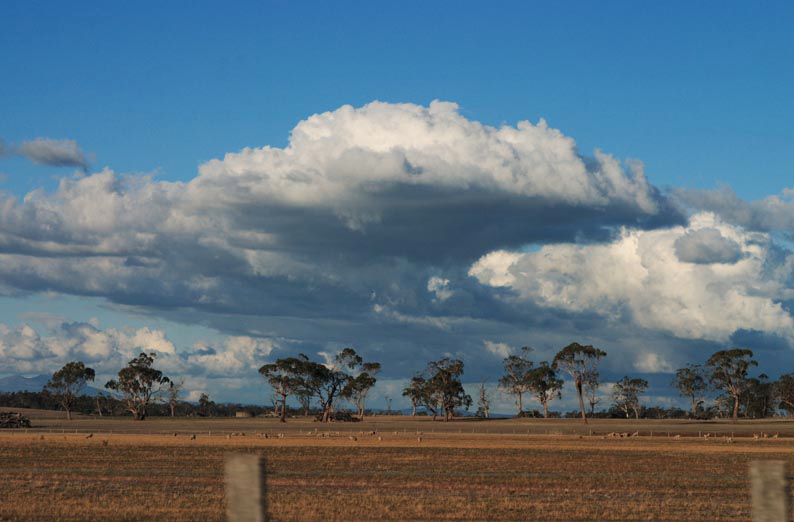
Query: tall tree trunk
{"points": [[283, 407], [172, 409], [520, 404], [735, 408], [68, 414], [694, 407], [413, 412], [581, 400], [545, 409], [98, 406]]}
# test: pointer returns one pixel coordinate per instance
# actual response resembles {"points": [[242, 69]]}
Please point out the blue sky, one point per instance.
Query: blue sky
{"points": [[698, 92]]}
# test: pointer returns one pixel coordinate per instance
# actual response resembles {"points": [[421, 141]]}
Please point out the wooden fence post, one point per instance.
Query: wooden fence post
{"points": [[246, 494], [769, 487]]}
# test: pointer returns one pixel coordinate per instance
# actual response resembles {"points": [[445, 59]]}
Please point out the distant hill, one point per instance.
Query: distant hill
{"points": [[17, 383]]}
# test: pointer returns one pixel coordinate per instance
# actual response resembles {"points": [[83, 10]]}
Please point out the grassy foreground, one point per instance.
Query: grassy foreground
{"points": [[48, 475]]}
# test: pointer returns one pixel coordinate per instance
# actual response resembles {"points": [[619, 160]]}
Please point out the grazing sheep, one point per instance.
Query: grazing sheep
{"points": [[755, 436], [380, 439], [775, 435], [419, 439], [353, 438], [729, 440], [677, 437]]}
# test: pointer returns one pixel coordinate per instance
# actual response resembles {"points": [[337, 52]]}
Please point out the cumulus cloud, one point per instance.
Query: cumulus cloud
{"points": [[233, 360], [707, 245], [400, 230], [362, 201], [439, 287], [50, 152], [501, 350], [771, 214], [639, 278]]}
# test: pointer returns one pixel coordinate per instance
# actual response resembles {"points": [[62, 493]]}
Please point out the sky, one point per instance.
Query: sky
{"points": [[230, 185]]}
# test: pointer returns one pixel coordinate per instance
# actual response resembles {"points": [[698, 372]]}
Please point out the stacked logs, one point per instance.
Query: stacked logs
{"points": [[12, 419]]}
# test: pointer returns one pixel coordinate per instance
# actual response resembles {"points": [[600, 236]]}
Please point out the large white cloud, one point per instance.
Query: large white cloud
{"points": [[640, 279], [359, 199]]}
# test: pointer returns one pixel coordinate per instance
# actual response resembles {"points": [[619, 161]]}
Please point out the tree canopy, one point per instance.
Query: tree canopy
{"points": [[626, 394], [729, 370], [691, 382], [67, 383], [139, 384], [544, 385], [580, 362], [515, 380]]}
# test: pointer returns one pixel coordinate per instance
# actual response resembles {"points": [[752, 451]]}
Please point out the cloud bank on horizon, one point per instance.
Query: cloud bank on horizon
{"points": [[407, 232]]}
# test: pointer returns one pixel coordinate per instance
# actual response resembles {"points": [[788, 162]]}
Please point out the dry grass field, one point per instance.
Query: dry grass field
{"points": [[466, 470]]}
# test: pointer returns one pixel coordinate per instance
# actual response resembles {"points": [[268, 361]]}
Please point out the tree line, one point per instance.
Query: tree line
{"points": [[438, 390]]}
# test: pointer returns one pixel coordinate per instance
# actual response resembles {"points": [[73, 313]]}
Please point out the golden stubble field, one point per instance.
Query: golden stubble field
{"points": [[458, 471]]}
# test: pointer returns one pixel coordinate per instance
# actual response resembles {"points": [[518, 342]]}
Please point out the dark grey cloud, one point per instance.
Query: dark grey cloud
{"points": [[771, 214], [54, 153], [707, 245], [48, 151]]}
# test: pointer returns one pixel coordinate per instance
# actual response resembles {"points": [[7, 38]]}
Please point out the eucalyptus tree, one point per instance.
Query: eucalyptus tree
{"points": [[67, 383], [484, 401], [443, 381], [759, 397], [173, 391], [360, 385], [341, 378], [784, 391], [545, 385], [515, 380], [285, 377], [626, 394], [139, 384], [580, 362], [691, 382], [417, 393], [591, 390], [728, 373]]}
